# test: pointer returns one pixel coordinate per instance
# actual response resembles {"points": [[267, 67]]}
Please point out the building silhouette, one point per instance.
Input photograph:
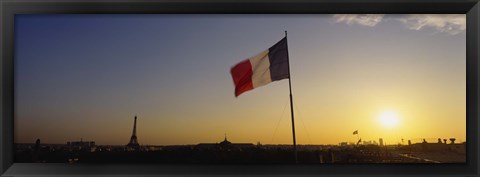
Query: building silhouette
{"points": [[81, 143], [224, 145]]}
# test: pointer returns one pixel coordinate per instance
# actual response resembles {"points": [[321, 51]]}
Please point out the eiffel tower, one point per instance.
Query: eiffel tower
{"points": [[133, 144]]}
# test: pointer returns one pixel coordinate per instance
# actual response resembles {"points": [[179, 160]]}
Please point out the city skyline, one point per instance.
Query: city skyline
{"points": [[389, 76]]}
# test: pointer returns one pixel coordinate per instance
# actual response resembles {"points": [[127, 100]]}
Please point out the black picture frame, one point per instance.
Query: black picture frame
{"points": [[11, 7]]}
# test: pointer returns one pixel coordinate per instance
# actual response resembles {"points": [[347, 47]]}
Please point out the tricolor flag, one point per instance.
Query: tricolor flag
{"points": [[261, 69]]}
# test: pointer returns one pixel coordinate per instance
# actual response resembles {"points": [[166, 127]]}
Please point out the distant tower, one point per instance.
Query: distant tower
{"points": [[37, 144], [133, 140], [380, 141]]}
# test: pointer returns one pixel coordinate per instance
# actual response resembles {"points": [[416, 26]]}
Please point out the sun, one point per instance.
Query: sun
{"points": [[388, 119]]}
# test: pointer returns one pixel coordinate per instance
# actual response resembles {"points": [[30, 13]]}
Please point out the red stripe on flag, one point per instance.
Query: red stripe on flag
{"points": [[242, 77]]}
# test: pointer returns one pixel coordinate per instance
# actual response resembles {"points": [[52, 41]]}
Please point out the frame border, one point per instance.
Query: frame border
{"points": [[10, 7]]}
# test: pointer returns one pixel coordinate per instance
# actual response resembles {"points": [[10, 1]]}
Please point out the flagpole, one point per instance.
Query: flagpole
{"points": [[291, 104]]}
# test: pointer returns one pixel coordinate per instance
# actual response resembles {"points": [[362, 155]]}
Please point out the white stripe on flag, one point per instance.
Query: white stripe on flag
{"points": [[260, 69]]}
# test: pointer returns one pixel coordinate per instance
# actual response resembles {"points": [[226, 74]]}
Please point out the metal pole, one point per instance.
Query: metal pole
{"points": [[291, 105]]}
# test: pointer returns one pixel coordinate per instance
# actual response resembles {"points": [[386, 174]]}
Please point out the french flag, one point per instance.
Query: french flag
{"points": [[261, 69]]}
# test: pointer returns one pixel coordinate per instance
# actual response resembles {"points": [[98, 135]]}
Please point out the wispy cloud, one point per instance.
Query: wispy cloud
{"points": [[360, 19], [448, 23], [445, 23]]}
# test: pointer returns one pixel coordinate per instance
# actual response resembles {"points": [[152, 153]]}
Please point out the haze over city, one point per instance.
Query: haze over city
{"points": [[388, 76]]}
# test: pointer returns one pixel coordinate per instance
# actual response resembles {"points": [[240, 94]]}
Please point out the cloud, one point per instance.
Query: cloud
{"points": [[445, 23], [360, 19], [448, 23]]}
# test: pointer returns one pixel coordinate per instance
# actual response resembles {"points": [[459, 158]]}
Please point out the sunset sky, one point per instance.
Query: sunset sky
{"points": [[387, 76]]}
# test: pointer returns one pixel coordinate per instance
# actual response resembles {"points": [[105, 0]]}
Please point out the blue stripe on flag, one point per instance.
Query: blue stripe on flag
{"points": [[278, 56]]}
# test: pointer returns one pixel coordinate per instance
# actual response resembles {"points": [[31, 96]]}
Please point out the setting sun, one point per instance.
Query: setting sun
{"points": [[388, 119]]}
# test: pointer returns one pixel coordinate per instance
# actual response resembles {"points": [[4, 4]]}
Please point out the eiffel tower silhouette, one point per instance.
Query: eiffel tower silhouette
{"points": [[133, 140]]}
